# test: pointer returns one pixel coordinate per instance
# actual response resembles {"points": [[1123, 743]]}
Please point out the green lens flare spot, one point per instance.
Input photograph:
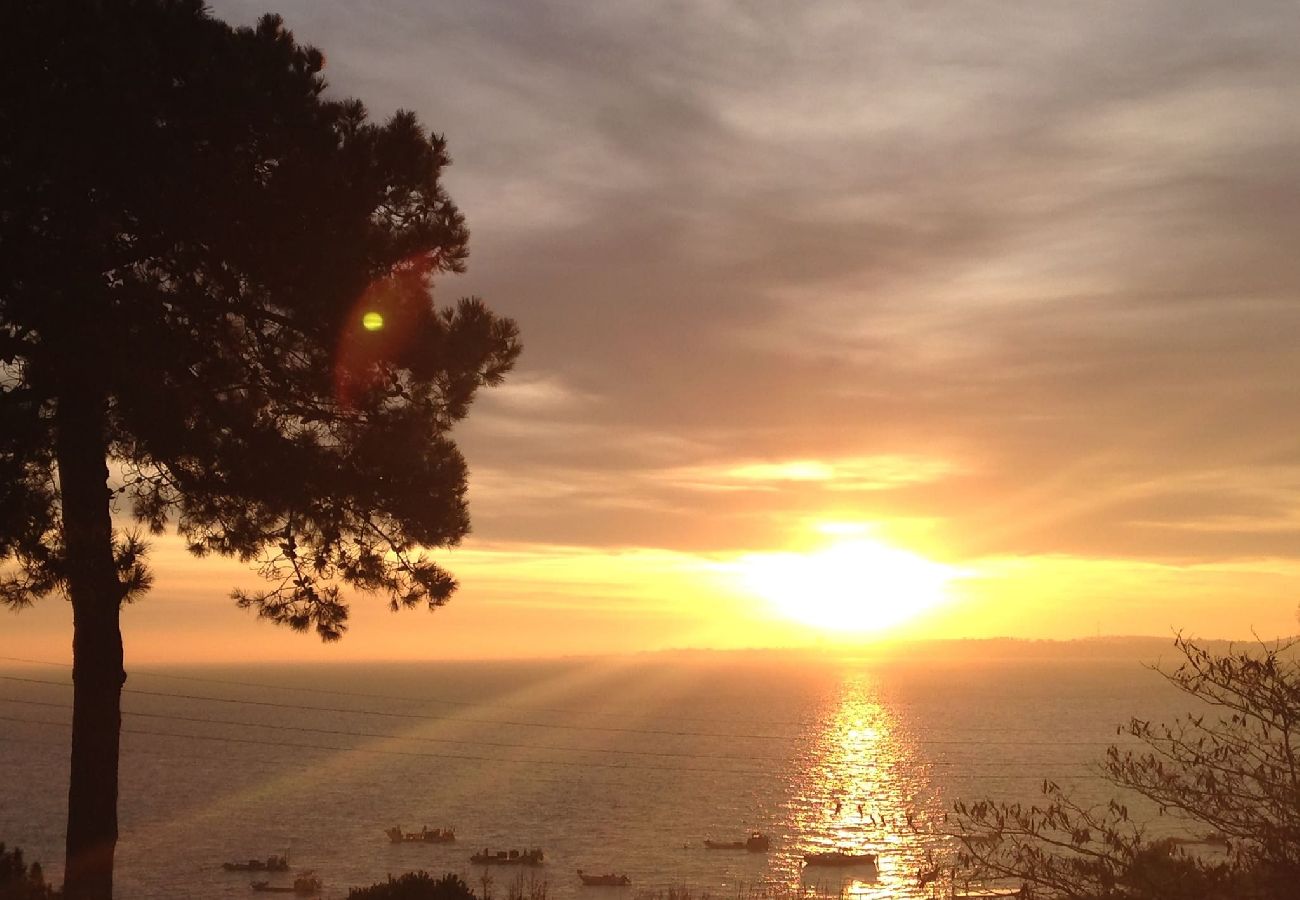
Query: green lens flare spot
{"points": [[372, 321]]}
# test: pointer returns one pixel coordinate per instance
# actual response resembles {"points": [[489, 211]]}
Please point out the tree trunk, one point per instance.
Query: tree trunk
{"points": [[97, 671]]}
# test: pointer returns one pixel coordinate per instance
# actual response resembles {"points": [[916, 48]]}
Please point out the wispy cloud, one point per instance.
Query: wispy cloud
{"points": [[1028, 272], [876, 473]]}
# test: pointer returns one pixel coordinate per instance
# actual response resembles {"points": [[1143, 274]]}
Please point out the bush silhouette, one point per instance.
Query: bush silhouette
{"points": [[415, 886], [1228, 770], [19, 881]]}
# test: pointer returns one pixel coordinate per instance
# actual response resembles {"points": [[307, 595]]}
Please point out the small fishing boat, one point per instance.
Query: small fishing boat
{"points": [[604, 880], [270, 864], [532, 857], [305, 885], [425, 835], [755, 843], [839, 858]]}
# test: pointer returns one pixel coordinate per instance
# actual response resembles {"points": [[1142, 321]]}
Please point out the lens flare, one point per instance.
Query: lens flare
{"points": [[378, 334]]}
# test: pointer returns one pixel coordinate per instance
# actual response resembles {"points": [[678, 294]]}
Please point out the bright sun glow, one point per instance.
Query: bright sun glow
{"points": [[855, 585]]}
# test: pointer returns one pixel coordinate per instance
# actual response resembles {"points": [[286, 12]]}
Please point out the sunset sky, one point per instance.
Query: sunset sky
{"points": [[826, 299]]}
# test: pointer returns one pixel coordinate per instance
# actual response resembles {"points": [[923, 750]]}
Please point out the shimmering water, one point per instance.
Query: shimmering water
{"points": [[622, 766]]}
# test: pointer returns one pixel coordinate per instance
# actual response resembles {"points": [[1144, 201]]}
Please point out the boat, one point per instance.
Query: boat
{"points": [[604, 880], [305, 885], [989, 894], [755, 843], [532, 857], [425, 835], [270, 864], [839, 858]]}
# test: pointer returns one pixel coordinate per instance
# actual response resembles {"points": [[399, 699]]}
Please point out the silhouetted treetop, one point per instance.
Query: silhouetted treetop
{"points": [[193, 235]]}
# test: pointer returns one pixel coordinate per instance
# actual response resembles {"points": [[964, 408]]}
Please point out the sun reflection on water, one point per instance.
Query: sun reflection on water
{"points": [[862, 789]]}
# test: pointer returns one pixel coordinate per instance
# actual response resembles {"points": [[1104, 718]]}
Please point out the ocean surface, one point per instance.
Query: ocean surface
{"points": [[622, 766]]}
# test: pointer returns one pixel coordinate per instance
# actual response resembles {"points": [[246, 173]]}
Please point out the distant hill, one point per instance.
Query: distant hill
{"points": [[1119, 648]]}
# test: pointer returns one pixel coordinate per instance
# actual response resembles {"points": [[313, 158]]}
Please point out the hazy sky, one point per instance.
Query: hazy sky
{"points": [[1015, 286]]}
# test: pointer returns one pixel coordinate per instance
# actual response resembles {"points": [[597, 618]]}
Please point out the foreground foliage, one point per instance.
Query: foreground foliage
{"points": [[19, 881], [1228, 770], [415, 886]]}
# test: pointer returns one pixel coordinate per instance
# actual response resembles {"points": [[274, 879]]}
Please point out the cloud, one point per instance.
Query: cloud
{"points": [[1048, 249], [877, 473], [531, 394]]}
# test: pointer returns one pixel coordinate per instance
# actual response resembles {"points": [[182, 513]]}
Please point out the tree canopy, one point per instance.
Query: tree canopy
{"points": [[217, 314], [193, 235]]}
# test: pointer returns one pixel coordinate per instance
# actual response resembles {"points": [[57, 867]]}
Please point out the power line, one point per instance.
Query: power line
{"points": [[533, 777], [425, 716], [489, 759], [559, 726], [476, 704], [422, 738], [276, 726], [462, 757], [398, 697], [173, 754]]}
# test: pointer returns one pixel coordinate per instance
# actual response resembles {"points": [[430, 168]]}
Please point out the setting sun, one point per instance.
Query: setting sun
{"points": [[854, 585]]}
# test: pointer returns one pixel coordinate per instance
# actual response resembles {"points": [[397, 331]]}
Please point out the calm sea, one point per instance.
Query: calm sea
{"points": [[608, 766]]}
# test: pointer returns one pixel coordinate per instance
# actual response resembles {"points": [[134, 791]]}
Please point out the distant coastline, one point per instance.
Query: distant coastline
{"points": [[1144, 649], [1116, 648]]}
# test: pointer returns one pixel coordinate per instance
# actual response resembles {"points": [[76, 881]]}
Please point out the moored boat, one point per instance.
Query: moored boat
{"points": [[533, 857], [604, 880], [305, 885], [425, 835], [270, 864], [755, 843], [839, 858]]}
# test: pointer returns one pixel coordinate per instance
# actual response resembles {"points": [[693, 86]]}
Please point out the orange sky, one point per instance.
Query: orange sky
{"points": [[1013, 289]]}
